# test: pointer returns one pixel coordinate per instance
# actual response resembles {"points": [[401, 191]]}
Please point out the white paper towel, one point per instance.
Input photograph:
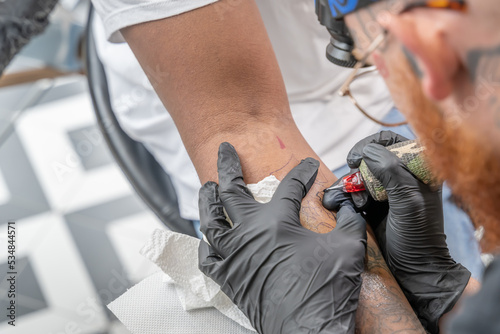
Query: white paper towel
{"points": [[177, 257], [152, 307]]}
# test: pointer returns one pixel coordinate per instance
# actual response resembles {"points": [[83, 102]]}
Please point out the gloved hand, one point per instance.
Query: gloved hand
{"points": [[413, 239], [285, 278], [19, 22]]}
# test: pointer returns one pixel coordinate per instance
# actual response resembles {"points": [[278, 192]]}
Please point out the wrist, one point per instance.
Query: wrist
{"points": [[264, 148]]}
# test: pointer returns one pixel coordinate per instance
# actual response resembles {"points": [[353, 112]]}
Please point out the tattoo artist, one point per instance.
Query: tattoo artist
{"points": [[434, 57]]}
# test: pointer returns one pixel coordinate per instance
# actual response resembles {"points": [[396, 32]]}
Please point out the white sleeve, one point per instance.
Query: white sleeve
{"points": [[118, 14]]}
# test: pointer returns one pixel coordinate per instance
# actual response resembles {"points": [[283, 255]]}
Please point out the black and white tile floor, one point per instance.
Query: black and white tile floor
{"points": [[79, 223]]}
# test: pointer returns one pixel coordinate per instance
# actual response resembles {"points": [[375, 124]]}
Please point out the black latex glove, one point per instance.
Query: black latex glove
{"points": [[412, 237], [373, 211], [20, 20], [285, 278]]}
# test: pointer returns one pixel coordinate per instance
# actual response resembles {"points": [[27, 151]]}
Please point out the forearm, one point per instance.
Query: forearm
{"points": [[218, 77], [382, 307], [472, 287], [215, 71]]}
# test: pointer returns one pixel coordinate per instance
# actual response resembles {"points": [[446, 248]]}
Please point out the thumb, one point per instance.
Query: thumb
{"points": [[296, 185], [351, 223], [334, 198]]}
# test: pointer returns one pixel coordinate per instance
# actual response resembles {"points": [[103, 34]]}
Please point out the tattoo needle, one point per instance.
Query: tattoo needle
{"points": [[350, 183]]}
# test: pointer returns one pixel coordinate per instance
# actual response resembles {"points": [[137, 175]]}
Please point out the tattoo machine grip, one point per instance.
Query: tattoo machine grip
{"points": [[411, 153]]}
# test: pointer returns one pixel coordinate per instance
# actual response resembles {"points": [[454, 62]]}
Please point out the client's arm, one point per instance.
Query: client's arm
{"points": [[216, 73]]}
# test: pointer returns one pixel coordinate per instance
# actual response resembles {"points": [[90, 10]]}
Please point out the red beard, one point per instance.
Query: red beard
{"points": [[466, 159]]}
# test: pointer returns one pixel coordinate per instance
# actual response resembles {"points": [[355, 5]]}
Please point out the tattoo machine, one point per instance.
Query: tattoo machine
{"points": [[409, 152]]}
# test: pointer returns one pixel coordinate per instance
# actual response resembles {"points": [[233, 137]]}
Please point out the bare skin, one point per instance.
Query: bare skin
{"points": [[451, 60], [216, 73], [426, 86]]}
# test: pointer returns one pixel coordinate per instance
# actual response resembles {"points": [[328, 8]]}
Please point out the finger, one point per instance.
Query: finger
{"points": [[213, 223], [296, 185], [350, 222], [384, 138], [230, 174], [387, 167], [209, 262], [372, 211], [333, 198], [232, 189]]}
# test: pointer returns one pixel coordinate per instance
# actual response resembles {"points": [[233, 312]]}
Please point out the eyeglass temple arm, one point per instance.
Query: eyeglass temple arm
{"points": [[375, 44]]}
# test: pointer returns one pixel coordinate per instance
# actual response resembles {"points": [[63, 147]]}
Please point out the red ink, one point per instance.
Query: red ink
{"points": [[282, 146]]}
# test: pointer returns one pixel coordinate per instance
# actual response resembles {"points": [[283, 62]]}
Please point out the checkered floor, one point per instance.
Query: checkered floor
{"points": [[79, 223]]}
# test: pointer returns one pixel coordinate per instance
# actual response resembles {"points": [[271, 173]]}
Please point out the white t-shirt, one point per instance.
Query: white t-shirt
{"points": [[330, 123]]}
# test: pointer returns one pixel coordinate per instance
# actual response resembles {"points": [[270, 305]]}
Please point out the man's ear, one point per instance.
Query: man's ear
{"points": [[424, 37]]}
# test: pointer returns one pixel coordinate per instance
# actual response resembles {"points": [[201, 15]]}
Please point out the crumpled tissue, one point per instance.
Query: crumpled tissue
{"points": [[177, 257]]}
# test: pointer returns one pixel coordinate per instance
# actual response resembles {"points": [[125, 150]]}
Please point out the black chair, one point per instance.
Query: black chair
{"points": [[147, 177]]}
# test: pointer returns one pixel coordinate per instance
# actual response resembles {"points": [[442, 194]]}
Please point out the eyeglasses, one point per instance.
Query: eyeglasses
{"points": [[345, 90]]}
